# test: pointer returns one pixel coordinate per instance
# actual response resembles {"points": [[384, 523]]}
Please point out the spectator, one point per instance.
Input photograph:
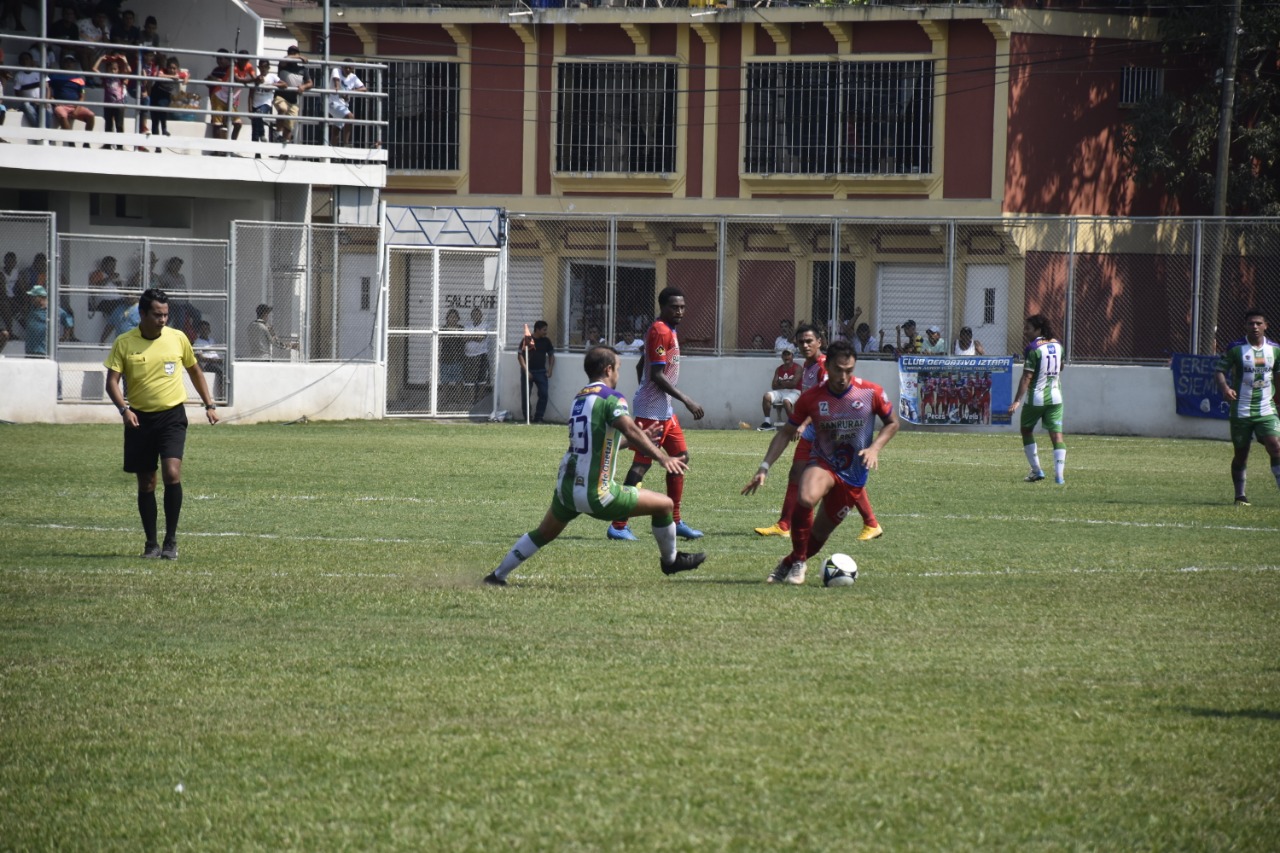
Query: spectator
{"points": [[141, 89], [865, 343], [966, 345], [126, 315], [172, 278], [785, 390], [451, 355], [150, 36], [37, 323], [291, 86], [537, 359], [477, 353], [31, 277], [342, 81], [207, 356], [221, 97], [26, 87], [64, 29], [908, 341], [633, 342], [266, 84], [113, 92], [594, 338], [757, 342], [127, 32], [94, 30], [106, 283], [162, 89], [934, 344], [263, 340], [8, 301], [69, 86], [783, 340]]}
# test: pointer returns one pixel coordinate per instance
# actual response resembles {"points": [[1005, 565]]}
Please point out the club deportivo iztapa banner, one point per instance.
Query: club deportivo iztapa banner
{"points": [[959, 390], [1196, 393]]}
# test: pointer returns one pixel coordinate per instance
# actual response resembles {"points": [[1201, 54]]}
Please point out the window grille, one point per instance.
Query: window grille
{"points": [[825, 118], [616, 117], [1140, 84], [423, 105]]}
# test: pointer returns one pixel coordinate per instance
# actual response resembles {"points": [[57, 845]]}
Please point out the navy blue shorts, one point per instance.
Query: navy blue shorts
{"points": [[159, 435]]}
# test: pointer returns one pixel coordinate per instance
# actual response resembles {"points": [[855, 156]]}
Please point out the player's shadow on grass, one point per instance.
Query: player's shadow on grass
{"points": [[1246, 713]]}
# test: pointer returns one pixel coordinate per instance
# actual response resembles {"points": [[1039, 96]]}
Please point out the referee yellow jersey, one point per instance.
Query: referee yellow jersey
{"points": [[152, 370]]}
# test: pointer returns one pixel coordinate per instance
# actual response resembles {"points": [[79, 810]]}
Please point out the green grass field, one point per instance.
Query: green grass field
{"points": [[1020, 667]]}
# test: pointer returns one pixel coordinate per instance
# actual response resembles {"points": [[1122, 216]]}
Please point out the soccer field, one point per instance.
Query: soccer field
{"points": [[1019, 666]]}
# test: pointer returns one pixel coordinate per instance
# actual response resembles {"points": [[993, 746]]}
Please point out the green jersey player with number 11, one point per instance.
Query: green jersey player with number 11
{"points": [[1042, 384], [585, 482], [1247, 378]]}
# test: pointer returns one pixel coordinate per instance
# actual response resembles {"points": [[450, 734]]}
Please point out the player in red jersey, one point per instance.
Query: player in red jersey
{"points": [[809, 343], [651, 405], [842, 413]]}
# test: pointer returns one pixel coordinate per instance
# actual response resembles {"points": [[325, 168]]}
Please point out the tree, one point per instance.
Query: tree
{"points": [[1171, 139]]}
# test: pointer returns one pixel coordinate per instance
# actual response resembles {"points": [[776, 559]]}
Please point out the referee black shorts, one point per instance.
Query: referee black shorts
{"points": [[160, 435]]}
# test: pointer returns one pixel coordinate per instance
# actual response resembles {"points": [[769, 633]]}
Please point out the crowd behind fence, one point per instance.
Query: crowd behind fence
{"points": [[146, 90], [1122, 291]]}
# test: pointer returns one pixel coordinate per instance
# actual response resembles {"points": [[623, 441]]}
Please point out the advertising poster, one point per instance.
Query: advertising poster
{"points": [[961, 390], [1195, 392]]}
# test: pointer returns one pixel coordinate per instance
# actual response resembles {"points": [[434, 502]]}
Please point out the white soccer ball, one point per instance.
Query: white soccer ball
{"points": [[839, 570]]}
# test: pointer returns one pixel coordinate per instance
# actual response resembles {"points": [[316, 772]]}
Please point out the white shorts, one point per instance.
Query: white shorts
{"points": [[339, 109], [783, 395]]}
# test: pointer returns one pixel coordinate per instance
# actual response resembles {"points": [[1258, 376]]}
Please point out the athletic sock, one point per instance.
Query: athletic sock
{"points": [[1238, 477], [675, 491], [801, 529], [788, 505], [1275, 470], [147, 510], [1059, 460], [172, 509], [1033, 455], [863, 503], [664, 530], [524, 548]]}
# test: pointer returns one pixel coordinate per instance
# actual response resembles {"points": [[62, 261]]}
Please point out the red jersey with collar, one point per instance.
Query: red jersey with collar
{"points": [[661, 348], [785, 372], [843, 425]]}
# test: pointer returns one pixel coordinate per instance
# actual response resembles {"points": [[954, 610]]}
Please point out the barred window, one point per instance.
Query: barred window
{"points": [[616, 117], [827, 118], [1140, 84], [422, 133]]}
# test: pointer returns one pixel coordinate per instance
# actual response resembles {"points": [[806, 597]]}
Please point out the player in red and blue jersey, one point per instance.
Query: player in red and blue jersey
{"points": [[653, 411], [809, 342], [845, 448]]}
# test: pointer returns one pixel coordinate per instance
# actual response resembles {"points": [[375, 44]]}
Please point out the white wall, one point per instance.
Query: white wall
{"points": [[1100, 400]]}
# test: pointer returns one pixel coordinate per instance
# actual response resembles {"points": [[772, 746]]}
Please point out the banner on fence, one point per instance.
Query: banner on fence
{"points": [[1195, 391], [962, 390]]}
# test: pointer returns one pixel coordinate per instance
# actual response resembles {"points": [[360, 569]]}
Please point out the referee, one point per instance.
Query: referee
{"points": [[155, 422]]}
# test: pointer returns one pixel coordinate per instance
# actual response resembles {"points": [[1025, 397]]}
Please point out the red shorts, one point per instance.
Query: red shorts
{"points": [[803, 448], [671, 440], [839, 502]]}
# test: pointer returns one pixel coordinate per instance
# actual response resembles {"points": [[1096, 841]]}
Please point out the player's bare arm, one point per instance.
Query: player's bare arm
{"points": [[781, 439], [202, 388], [1228, 393], [871, 455], [660, 379], [638, 438], [1023, 384]]}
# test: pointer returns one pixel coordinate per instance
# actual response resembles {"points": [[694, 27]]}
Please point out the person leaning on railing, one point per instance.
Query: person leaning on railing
{"points": [[291, 86]]}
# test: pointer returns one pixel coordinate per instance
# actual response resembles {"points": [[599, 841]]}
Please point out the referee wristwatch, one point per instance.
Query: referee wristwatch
{"points": [[210, 407], [124, 410]]}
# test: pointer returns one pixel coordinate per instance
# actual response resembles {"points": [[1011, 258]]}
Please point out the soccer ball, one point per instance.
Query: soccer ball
{"points": [[839, 570]]}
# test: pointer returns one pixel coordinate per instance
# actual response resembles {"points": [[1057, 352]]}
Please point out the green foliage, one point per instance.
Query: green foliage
{"points": [[1020, 666], [1172, 140]]}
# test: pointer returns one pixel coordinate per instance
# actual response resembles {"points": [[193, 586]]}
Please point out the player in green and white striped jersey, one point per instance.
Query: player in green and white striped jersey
{"points": [[1246, 376], [585, 482], [1041, 384]]}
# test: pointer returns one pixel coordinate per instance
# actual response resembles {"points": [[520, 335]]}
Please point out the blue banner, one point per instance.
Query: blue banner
{"points": [[959, 390], [1195, 391]]}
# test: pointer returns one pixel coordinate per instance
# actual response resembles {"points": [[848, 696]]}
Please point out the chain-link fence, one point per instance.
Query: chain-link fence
{"points": [[98, 284], [26, 245], [1119, 290], [306, 292]]}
